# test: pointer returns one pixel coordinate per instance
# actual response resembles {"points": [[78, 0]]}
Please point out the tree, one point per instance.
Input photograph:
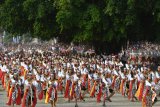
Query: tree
{"points": [[34, 16], [12, 17], [105, 24], [41, 14]]}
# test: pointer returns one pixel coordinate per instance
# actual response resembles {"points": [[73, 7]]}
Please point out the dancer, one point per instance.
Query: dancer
{"points": [[14, 92]]}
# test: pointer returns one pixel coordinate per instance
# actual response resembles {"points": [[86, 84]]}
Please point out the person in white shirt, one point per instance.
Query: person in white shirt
{"points": [[132, 85], [123, 81], [147, 93], [77, 88], [14, 97], [29, 98], [52, 92], [108, 82], [157, 74], [60, 80]]}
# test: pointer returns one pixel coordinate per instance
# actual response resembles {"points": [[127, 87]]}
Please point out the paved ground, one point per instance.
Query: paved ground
{"points": [[117, 101]]}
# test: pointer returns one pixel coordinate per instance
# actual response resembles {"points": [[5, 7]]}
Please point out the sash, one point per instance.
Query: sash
{"points": [[130, 89], [89, 85], [113, 82], [99, 94], [71, 91], [10, 96], [144, 100], [93, 89], [48, 95], [139, 92], [60, 86], [122, 87], [66, 94]]}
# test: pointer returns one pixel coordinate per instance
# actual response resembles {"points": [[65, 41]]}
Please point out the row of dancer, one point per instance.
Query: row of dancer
{"points": [[32, 76]]}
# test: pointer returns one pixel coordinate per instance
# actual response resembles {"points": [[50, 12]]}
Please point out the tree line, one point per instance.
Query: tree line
{"points": [[106, 24]]}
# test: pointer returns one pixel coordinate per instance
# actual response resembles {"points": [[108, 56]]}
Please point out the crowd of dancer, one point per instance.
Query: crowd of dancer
{"points": [[37, 73]]}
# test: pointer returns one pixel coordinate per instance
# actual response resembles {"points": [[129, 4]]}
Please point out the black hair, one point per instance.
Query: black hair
{"points": [[132, 75]]}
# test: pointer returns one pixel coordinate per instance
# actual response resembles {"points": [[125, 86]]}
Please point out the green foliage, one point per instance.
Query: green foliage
{"points": [[34, 16], [103, 21], [12, 17]]}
